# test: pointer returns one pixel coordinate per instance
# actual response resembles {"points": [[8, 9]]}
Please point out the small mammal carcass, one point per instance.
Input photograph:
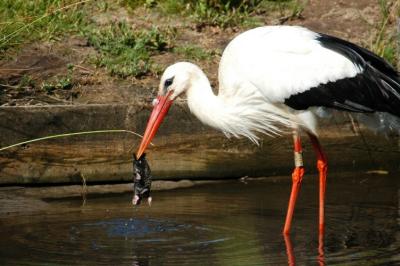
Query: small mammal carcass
{"points": [[141, 180]]}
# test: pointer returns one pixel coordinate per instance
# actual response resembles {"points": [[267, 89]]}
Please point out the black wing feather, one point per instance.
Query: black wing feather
{"points": [[376, 88]]}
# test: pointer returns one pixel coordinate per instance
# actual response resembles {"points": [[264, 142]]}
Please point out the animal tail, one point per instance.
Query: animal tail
{"points": [[389, 86], [385, 76], [387, 118], [382, 81]]}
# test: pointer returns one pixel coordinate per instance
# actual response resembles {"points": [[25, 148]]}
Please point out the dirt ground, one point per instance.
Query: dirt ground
{"points": [[45, 61]]}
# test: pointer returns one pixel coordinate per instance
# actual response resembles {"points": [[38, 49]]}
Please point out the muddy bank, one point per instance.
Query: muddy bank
{"points": [[65, 69], [183, 147]]}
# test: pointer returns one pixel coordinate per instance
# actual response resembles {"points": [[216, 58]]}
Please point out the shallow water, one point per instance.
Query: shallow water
{"points": [[229, 223]]}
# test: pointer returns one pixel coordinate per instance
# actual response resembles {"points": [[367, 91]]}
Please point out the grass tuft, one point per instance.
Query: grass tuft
{"points": [[125, 52], [385, 41], [193, 52], [23, 21], [222, 13], [122, 50], [64, 83]]}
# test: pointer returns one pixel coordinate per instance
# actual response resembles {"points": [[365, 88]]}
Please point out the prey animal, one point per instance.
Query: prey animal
{"points": [[141, 180]]}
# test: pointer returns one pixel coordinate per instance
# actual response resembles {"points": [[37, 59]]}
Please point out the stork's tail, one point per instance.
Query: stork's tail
{"points": [[387, 119], [382, 80], [389, 85]]}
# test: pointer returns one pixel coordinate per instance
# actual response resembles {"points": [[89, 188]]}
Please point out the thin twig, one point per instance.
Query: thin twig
{"points": [[354, 124], [18, 69], [11, 86], [84, 189], [84, 68], [73, 134], [58, 99]]}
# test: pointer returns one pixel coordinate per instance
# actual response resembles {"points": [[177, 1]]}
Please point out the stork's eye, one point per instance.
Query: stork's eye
{"points": [[168, 82]]}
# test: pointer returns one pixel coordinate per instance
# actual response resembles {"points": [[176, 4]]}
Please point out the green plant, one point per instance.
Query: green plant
{"points": [[223, 13], [384, 43], [23, 21], [136, 3], [125, 52], [193, 52], [104, 131], [64, 83], [296, 9], [48, 87], [26, 81]]}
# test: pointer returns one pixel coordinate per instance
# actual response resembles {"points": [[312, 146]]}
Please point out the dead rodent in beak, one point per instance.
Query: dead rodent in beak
{"points": [[141, 180]]}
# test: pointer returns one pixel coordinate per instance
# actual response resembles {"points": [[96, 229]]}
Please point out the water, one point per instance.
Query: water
{"points": [[229, 223]]}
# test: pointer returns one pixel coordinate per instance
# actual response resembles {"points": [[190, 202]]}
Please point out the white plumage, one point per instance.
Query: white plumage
{"points": [[281, 61], [245, 114]]}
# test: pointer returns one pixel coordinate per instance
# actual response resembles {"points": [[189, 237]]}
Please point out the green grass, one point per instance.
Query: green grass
{"points": [[386, 43], [221, 13], [22, 21], [63, 83], [125, 52], [193, 52], [26, 81], [121, 50]]}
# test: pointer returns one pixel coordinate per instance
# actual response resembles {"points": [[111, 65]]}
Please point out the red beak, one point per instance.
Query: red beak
{"points": [[160, 110]]}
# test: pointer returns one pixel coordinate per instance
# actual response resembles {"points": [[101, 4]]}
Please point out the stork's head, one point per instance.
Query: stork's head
{"points": [[175, 80]]}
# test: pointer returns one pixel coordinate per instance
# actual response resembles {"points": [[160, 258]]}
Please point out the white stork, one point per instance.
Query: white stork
{"points": [[270, 78]]}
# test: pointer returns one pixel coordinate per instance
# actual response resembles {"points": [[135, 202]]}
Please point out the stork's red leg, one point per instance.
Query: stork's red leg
{"points": [[297, 177], [322, 165]]}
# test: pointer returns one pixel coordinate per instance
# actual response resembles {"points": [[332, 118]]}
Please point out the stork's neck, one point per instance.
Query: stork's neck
{"points": [[243, 113], [202, 101]]}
